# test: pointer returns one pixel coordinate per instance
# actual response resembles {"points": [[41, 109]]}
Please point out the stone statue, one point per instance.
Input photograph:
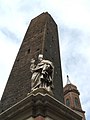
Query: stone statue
{"points": [[42, 74]]}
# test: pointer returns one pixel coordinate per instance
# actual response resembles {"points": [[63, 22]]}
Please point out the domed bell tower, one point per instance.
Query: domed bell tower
{"points": [[71, 98]]}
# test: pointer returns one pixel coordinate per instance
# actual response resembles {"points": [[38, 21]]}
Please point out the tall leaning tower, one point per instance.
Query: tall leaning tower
{"points": [[18, 101], [41, 38]]}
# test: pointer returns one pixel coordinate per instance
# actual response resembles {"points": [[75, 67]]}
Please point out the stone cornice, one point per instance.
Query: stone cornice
{"points": [[71, 90], [39, 104]]}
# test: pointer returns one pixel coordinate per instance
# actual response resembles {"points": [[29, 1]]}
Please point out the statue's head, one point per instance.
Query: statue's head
{"points": [[40, 57]]}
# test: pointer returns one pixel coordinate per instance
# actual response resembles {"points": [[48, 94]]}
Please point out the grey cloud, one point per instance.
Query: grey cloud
{"points": [[72, 39], [74, 59], [73, 34], [12, 36]]}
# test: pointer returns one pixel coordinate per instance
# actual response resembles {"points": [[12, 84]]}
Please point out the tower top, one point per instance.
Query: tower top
{"points": [[68, 80], [70, 87]]}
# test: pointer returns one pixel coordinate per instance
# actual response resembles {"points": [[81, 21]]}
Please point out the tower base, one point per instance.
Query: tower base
{"points": [[38, 106]]}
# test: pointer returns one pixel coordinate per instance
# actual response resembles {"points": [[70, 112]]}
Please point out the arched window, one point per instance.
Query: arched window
{"points": [[67, 102], [76, 101]]}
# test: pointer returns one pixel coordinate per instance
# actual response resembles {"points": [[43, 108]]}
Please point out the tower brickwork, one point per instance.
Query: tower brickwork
{"points": [[41, 38]]}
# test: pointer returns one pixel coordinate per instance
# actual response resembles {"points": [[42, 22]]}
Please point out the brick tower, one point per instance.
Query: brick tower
{"points": [[18, 101], [41, 37], [71, 98]]}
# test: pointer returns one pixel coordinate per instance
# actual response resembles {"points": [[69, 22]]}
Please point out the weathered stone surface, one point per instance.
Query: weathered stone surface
{"points": [[41, 37], [39, 106], [31, 118]]}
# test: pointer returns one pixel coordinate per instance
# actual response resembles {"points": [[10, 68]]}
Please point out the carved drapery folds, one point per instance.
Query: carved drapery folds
{"points": [[42, 74]]}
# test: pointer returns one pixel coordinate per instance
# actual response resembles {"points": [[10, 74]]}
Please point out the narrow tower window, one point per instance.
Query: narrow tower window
{"points": [[76, 101], [68, 102], [28, 50], [38, 49]]}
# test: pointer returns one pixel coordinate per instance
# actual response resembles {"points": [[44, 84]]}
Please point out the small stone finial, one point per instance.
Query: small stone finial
{"points": [[68, 80]]}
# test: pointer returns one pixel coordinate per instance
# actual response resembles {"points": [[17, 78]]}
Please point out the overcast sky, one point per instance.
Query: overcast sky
{"points": [[73, 20]]}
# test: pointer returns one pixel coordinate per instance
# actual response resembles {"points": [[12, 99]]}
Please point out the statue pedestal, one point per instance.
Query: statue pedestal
{"points": [[42, 91], [39, 106]]}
